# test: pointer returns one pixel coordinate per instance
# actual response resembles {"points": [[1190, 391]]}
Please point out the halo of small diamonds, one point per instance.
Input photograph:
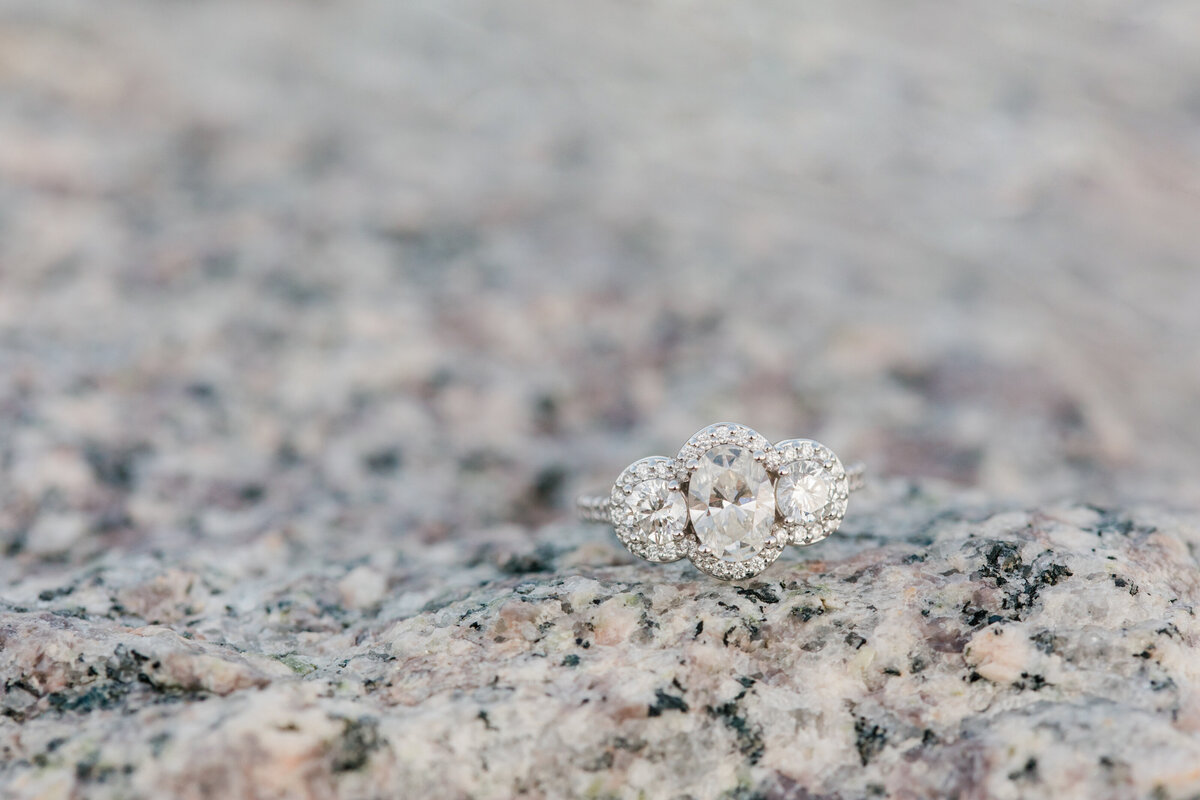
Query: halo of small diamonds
{"points": [[721, 433], [648, 510], [811, 490], [709, 562]]}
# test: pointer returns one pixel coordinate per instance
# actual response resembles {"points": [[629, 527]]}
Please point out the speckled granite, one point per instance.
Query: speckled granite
{"points": [[314, 316], [1046, 653]]}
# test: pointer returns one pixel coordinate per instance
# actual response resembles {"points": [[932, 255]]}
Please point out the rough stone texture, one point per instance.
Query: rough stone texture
{"points": [[1047, 653], [313, 316]]}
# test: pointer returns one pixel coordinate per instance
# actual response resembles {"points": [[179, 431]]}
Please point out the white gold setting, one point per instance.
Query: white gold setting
{"points": [[730, 501]]}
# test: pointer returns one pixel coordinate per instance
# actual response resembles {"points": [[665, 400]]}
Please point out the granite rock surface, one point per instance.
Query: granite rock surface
{"points": [[1016, 654], [315, 316]]}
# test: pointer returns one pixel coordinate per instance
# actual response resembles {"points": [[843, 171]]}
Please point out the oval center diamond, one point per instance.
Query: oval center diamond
{"points": [[731, 502]]}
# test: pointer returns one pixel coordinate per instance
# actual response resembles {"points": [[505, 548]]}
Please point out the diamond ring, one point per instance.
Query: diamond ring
{"points": [[730, 500]]}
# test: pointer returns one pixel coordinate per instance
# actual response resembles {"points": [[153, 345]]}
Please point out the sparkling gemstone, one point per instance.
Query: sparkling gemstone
{"points": [[804, 490], [731, 502], [659, 512]]}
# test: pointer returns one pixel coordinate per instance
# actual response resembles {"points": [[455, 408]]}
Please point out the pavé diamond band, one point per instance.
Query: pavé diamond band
{"points": [[730, 500]]}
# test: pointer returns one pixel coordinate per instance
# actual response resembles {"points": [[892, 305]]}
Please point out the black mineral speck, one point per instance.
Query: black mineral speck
{"points": [[869, 739], [805, 613], [1162, 685], [113, 465], [666, 702], [1028, 773], [1045, 641], [158, 743], [50, 594], [974, 616], [384, 461], [548, 484], [201, 391], [600, 763], [540, 560], [86, 769], [1028, 681], [1112, 522], [749, 736], [1021, 582], [97, 697], [251, 493], [1004, 556], [760, 592], [1122, 583], [1054, 573], [353, 748]]}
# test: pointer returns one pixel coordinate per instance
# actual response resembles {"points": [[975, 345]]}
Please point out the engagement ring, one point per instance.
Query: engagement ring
{"points": [[730, 500]]}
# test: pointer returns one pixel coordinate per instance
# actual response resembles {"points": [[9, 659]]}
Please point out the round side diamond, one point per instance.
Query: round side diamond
{"points": [[649, 510], [658, 512], [805, 489], [811, 490]]}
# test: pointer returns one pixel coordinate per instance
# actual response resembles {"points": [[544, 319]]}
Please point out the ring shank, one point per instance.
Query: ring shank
{"points": [[856, 476], [594, 508], [597, 508]]}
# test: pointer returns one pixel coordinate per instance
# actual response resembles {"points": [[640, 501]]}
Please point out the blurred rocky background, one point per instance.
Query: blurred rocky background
{"points": [[317, 314]]}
